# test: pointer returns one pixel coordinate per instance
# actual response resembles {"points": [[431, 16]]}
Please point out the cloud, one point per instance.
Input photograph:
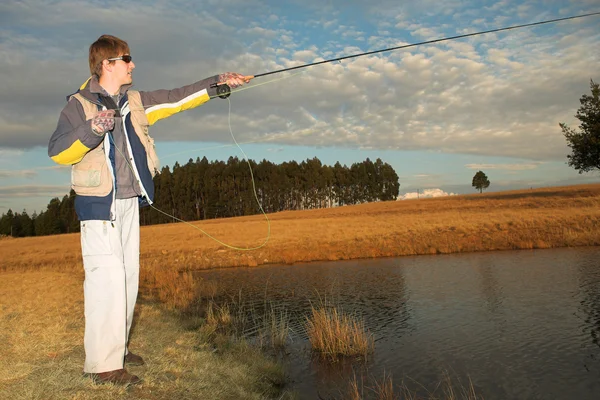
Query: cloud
{"points": [[47, 191], [26, 173], [8, 153], [427, 193], [506, 167], [491, 95], [30, 173]]}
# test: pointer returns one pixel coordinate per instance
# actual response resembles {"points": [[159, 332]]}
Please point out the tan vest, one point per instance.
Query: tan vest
{"points": [[91, 176]]}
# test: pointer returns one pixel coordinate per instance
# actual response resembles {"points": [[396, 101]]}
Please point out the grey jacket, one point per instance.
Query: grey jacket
{"points": [[73, 139]]}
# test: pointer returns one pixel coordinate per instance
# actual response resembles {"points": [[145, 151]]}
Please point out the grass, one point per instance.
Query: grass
{"points": [[542, 218], [334, 334], [41, 357], [41, 304], [384, 389], [277, 326]]}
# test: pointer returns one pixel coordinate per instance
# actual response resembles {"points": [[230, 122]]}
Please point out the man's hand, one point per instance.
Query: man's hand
{"points": [[103, 122], [234, 80]]}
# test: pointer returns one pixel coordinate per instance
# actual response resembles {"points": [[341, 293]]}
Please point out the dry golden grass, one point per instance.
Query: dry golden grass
{"points": [[41, 308], [334, 334], [277, 327], [383, 389], [41, 357], [542, 218]]}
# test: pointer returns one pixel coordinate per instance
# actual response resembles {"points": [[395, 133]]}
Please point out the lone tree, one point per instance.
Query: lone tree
{"points": [[585, 144], [480, 181]]}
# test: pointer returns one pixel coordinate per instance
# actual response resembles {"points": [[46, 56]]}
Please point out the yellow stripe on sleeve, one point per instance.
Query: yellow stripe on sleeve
{"points": [[161, 111], [72, 155]]}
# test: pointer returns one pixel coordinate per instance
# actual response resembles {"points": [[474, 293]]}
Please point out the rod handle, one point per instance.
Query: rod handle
{"points": [[247, 78]]}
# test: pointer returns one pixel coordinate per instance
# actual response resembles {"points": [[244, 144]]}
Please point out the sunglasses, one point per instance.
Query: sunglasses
{"points": [[126, 59]]}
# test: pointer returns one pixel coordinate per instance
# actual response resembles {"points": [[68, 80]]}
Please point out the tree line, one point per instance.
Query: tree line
{"points": [[202, 190]]}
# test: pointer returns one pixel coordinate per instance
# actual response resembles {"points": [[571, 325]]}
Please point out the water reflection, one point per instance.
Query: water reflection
{"points": [[588, 271], [490, 289], [519, 324], [377, 295]]}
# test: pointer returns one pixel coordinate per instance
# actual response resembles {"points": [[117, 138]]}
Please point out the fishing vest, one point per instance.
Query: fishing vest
{"points": [[92, 176]]}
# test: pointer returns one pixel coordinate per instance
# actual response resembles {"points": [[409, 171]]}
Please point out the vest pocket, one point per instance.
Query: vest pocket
{"points": [[91, 176], [152, 158]]}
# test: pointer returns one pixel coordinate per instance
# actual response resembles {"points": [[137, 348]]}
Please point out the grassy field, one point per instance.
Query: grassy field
{"points": [[41, 304], [542, 218]]}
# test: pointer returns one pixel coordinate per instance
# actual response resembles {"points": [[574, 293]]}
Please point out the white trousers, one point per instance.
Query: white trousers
{"points": [[111, 259]]}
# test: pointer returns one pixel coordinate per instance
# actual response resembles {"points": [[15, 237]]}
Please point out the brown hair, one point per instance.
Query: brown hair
{"points": [[106, 46]]}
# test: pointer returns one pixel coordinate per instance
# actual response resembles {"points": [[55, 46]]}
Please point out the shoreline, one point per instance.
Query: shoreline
{"points": [[531, 219], [41, 299]]}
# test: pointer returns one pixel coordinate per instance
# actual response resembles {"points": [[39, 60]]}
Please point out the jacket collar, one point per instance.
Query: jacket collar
{"points": [[91, 89]]}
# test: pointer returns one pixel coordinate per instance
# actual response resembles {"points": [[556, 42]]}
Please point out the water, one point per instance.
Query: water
{"points": [[518, 324]]}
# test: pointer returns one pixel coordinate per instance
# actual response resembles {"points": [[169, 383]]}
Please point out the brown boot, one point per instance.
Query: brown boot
{"points": [[133, 359], [118, 377]]}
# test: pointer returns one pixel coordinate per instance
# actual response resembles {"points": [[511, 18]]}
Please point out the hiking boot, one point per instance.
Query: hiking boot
{"points": [[118, 377], [133, 359]]}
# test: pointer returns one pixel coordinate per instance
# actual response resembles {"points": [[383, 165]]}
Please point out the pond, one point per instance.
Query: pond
{"points": [[518, 324]]}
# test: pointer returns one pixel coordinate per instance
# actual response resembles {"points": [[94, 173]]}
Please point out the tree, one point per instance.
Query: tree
{"points": [[480, 181], [6, 223], [585, 144]]}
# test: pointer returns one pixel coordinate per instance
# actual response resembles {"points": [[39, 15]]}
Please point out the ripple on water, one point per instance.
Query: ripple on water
{"points": [[519, 324]]}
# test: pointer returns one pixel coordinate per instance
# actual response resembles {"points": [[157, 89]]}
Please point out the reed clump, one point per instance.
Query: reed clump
{"points": [[274, 327], [384, 389], [334, 334], [278, 327], [267, 326]]}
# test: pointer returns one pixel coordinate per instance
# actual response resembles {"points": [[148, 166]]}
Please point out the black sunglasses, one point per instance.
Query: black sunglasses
{"points": [[125, 58]]}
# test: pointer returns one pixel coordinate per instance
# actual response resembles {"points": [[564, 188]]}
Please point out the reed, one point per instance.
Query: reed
{"points": [[383, 389], [277, 326], [334, 334]]}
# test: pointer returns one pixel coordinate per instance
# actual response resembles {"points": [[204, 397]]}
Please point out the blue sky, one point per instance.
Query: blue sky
{"points": [[436, 113]]}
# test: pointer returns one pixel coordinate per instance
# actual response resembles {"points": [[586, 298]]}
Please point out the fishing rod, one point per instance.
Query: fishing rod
{"points": [[224, 91]]}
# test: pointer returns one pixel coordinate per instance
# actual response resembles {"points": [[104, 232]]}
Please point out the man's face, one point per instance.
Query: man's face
{"points": [[122, 71]]}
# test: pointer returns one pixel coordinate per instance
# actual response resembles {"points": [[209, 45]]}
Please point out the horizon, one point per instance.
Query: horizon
{"points": [[437, 194], [436, 113]]}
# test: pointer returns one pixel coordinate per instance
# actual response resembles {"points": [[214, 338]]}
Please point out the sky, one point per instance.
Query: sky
{"points": [[436, 113]]}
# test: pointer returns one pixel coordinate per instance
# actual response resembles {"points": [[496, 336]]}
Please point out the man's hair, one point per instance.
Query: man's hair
{"points": [[106, 46]]}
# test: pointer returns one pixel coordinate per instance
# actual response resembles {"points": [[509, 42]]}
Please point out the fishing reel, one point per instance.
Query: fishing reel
{"points": [[223, 90]]}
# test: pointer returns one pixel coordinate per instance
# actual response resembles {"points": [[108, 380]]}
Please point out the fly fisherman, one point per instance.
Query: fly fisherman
{"points": [[103, 133]]}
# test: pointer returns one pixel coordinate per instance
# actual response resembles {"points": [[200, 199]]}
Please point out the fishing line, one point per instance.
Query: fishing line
{"points": [[245, 87], [255, 196], [200, 229], [428, 42], [251, 178], [223, 91], [391, 49]]}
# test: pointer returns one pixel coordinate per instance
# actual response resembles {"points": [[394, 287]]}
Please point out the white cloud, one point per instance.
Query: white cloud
{"points": [[30, 172], [45, 191], [506, 167], [492, 95], [26, 173], [427, 193], [8, 153]]}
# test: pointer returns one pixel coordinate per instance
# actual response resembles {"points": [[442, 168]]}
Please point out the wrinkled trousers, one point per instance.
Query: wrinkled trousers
{"points": [[111, 260]]}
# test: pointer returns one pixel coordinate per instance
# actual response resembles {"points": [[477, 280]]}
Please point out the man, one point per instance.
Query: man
{"points": [[103, 133]]}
